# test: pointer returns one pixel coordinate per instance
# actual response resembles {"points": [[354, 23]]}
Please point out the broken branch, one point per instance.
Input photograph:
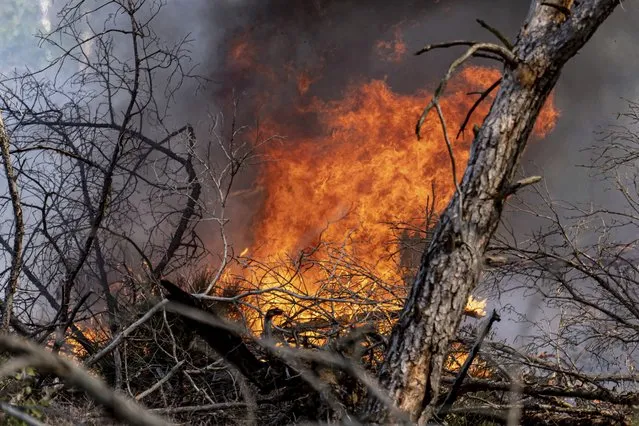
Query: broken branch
{"points": [[452, 395], [531, 180]]}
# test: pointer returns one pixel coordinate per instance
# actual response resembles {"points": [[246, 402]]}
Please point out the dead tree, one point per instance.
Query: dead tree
{"points": [[110, 187], [452, 265]]}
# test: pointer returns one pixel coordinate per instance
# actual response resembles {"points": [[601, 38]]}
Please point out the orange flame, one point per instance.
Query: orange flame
{"points": [[365, 171], [242, 53], [458, 356], [92, 332], [475, 308], [392, 50], [304, 81]]}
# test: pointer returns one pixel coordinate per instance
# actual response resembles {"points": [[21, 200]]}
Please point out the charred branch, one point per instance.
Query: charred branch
{"points": [[463, 371], [483, 95]]}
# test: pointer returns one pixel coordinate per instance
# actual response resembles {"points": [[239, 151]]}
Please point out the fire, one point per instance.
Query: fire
{"points": [[365, 171], [304, 81], [244, 252], [475, 308], [333, 199], [458, 356], [392, 50], [92, 331], [242, 53]]}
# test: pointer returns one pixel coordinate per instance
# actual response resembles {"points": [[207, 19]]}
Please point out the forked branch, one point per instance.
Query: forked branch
{"points": [[507, 55]]}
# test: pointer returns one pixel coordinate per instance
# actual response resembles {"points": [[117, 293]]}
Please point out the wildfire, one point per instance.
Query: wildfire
{"points": [[459, 354], [392, 50], [92, 332], [475, 308], [333, 201]]}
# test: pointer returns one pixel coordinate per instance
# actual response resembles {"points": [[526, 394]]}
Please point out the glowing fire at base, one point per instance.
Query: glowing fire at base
{"points": [[459, 354], [92, 331], [334, 202]]}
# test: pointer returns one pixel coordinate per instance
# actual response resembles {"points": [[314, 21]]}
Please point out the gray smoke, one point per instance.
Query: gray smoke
{"points": [[336, 40]]}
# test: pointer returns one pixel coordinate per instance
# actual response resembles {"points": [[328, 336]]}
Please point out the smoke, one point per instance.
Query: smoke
{"points": [[260, 47], [336, 40]]}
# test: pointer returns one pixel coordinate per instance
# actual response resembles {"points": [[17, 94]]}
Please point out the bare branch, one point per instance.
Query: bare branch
{"points": [[122, 408]]}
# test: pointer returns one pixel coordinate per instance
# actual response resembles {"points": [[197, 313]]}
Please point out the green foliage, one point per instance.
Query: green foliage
{"points": [[19, 391]]}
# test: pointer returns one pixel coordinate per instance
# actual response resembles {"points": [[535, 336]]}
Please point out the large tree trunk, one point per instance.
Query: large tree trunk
{"points": [[451, 266]]}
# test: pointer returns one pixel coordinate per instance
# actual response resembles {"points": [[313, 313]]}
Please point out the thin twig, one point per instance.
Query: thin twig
{"points": [[483, 95], [451, 154], [197, 408], [160, 382], [116, 341], [444, 45], [505, 53], [494, 31], [15, 412]]}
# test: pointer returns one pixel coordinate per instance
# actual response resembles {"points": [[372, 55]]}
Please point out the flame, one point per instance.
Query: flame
{"points": [[92, 331], [458, 356], [475, 308], [331, 198], [244, 252], [392, 50], [304, 81], [366, 170], [241, 54]]}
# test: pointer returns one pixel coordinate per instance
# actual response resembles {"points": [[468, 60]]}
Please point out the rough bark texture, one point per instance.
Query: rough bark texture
{"points": [[451, 266], [16, 254]]}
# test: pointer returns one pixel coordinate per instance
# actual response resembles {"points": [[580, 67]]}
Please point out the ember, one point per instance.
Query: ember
{"points": [[392, 50]]}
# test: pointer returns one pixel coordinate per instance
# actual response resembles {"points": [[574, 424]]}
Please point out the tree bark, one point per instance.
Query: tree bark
{"points": [[16, 254], [451, 266]]}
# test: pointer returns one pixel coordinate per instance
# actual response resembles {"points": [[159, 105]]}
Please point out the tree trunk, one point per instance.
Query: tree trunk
{"points": [[451, 266]]}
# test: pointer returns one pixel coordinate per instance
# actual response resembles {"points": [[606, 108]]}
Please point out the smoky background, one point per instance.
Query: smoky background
{"points": [[336, 42]]}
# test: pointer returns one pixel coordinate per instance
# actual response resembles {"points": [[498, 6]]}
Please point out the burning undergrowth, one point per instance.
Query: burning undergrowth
{"points": [[342, 201], [345, 196]]}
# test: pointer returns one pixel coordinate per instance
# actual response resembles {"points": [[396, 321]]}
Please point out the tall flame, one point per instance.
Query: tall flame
{"points": [[363, 172]]}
